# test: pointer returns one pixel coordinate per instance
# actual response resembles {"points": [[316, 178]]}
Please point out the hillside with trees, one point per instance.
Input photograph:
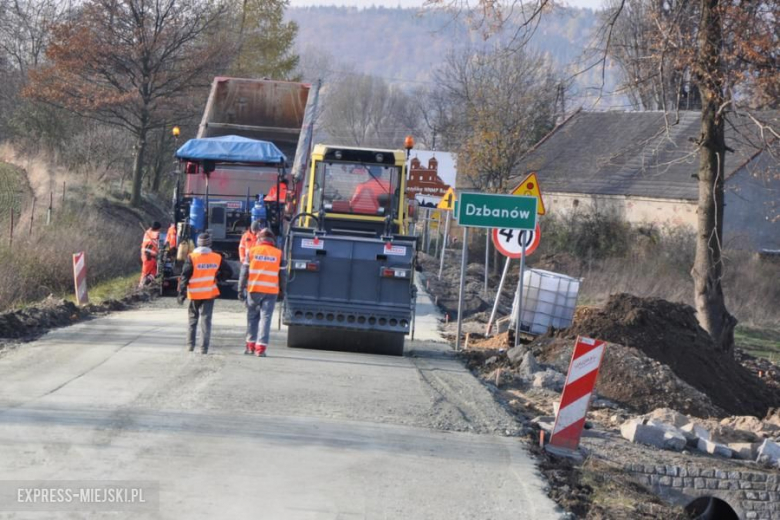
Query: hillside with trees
{"points": [[407, 46]]}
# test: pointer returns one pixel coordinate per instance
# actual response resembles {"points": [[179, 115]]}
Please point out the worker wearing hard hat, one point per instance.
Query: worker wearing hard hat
{"points": [[198, 282], [150, 248], [248, 240], [259, 287]]}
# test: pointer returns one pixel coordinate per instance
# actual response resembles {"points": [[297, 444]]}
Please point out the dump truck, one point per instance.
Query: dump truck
{"points": [[350, 254], [253, 137]]}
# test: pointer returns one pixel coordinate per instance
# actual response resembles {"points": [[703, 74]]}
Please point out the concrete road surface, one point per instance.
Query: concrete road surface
{"points": [[301, 434]]}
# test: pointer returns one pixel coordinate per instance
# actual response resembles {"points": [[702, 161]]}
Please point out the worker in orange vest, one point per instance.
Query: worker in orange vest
{"points": [[259, 287], [371, 194], [272, 197], [150, 248], [248, 240], [170, 237], [275, 201], [199, 283]]}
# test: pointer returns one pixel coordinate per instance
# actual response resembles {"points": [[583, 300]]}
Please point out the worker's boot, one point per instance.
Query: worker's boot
{"points": [[250, 348], [259, 350]]}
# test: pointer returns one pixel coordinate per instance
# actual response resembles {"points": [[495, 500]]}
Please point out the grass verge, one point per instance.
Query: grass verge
{"points": [[112, 289], [759, 342], [13, 190]]}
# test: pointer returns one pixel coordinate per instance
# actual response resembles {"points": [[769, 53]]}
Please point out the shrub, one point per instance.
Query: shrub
{"points": [[586, 236], [41, 263]]}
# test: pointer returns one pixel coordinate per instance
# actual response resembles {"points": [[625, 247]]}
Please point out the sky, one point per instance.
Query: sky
{"points": [[593, 4]]}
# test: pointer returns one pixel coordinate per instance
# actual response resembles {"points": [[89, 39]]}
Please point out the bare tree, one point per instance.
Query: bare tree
{"points": [[97, 149], [434, 118], [315, 64], [364, 110], [25, 30], [134, 64], [650, 42], [500, 104]]}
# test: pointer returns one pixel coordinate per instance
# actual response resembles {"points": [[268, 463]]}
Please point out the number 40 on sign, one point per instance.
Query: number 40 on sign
{"points": [[509, 242]]}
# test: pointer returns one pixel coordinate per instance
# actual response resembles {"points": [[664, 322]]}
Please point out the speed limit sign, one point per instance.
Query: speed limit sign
{"points": [[509, 242]]}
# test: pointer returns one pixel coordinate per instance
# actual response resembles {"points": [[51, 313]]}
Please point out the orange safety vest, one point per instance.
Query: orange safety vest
{"points": [[203, 283], [170, 237], [150, 243], [366, 197], [271, 197], [248, 241], [264, 262]]}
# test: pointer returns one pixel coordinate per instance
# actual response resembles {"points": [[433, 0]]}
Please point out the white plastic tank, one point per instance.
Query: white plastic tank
{"points": [[549, 300]]}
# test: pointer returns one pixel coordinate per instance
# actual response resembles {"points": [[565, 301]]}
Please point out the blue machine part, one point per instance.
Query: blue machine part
{"points": [[259, 211], [197, 214], [231, 148]]}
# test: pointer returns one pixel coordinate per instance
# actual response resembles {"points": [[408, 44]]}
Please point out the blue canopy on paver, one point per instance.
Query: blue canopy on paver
{"points": [[231, 148]]}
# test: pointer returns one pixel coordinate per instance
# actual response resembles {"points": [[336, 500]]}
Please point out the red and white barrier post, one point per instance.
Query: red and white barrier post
{"points": [[575, 400], [80, 277]]}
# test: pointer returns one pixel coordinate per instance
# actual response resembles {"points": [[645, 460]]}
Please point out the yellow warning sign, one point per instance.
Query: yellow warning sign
{"points": [[530, 187], [448, 200]]}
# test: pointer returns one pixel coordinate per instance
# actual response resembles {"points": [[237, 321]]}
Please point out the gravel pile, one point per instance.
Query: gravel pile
{"points": [[30, 322]]}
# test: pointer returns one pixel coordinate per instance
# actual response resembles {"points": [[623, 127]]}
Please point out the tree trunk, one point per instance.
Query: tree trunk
{"points": [[708, 265], [138, 168]]}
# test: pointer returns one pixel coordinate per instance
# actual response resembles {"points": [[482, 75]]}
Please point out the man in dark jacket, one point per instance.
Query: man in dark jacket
{"points": [[198, 282]]}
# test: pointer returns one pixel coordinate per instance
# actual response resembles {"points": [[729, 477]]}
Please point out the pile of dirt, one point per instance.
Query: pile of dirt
{"points": [[670, 334], [35, 320], [660, 355], [48, 314], [497, 342], [631, 379]]}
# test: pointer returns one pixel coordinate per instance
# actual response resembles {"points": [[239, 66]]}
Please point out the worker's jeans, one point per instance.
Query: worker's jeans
{"points": [[259, 311], [200, 309]]}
